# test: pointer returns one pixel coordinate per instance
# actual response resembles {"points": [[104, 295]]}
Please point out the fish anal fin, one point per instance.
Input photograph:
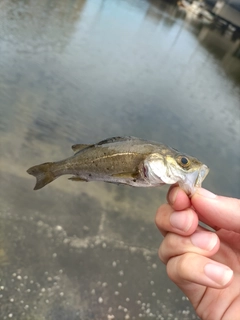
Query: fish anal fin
{"points": [[76, 178], [78, 147]]}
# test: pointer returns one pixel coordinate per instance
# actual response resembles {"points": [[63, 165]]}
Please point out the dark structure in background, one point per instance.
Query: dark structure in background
{"points": [[232, 3], [220, 14], [227, 16]]}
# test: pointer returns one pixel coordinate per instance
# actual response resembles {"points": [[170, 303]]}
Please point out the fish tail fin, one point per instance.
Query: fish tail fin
{"points": [[43, 173]]}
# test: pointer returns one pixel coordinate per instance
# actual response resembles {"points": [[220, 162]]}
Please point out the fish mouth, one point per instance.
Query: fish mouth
{"points": [[194, 180], [202, 173]]}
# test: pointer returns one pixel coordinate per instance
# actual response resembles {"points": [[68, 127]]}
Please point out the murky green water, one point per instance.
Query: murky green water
{"points": [[78, 72]]}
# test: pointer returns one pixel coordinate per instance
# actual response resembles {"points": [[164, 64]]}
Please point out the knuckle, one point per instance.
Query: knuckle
{"points": [[162, 211], [183, 265], [161, 254], [168, 247], [172, 240], [178, 268]]}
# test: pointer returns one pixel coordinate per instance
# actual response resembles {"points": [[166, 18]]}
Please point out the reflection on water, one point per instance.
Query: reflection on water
{"points": [[81, 71], [39, 25]]}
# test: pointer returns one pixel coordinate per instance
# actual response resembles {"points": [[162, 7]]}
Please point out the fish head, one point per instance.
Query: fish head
{"points": [[173, 168]]}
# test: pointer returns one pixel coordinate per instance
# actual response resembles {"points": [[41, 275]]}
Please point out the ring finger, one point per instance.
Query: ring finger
{"points": [[201, 242]]}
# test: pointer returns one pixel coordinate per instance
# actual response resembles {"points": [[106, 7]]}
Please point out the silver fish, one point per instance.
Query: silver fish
{"points": [[126, 160]]}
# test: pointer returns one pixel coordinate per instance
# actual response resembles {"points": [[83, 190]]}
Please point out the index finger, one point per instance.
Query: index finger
{"points": [[178, 199]]}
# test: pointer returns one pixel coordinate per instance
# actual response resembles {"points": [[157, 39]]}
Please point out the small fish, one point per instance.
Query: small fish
{"points": [[126, 160]]}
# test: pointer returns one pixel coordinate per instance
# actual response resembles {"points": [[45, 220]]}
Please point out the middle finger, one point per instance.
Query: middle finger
{"points": [[181, 222]]}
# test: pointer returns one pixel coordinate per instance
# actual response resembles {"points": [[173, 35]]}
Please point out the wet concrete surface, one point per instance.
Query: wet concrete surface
{"points": [[61, 262], [78, 72]]}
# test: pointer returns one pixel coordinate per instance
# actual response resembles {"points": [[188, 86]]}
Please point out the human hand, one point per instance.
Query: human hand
{"points": [[204, 265]]}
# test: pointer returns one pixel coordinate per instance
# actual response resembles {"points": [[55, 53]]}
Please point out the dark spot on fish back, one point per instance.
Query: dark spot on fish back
{"points": [[95, 163]]}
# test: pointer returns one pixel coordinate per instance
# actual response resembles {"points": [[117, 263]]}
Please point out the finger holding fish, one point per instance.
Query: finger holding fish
{"points": [[177, 198]]}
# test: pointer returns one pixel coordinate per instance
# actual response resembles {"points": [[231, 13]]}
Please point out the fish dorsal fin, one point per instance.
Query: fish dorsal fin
{"points": [[115, 139], [78, 147]]}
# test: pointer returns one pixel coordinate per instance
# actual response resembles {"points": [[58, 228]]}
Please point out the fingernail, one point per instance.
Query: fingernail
{"points": [[218, 273], [173, 195], [181, 220], [205, 193], [204, 240]]}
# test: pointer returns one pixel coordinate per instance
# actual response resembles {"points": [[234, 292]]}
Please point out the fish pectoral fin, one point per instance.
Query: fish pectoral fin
{"points": [[126, 175], [76, 178], [78, 147]]}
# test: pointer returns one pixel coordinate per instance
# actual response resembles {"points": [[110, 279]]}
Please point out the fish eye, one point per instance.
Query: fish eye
{"points": [[183, 161]]}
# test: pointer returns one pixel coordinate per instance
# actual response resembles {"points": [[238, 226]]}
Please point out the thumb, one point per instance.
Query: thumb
{"points": [[217, 211]]}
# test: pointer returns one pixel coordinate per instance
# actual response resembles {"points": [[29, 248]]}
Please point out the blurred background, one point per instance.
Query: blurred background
{"points": [[79, 71]]}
